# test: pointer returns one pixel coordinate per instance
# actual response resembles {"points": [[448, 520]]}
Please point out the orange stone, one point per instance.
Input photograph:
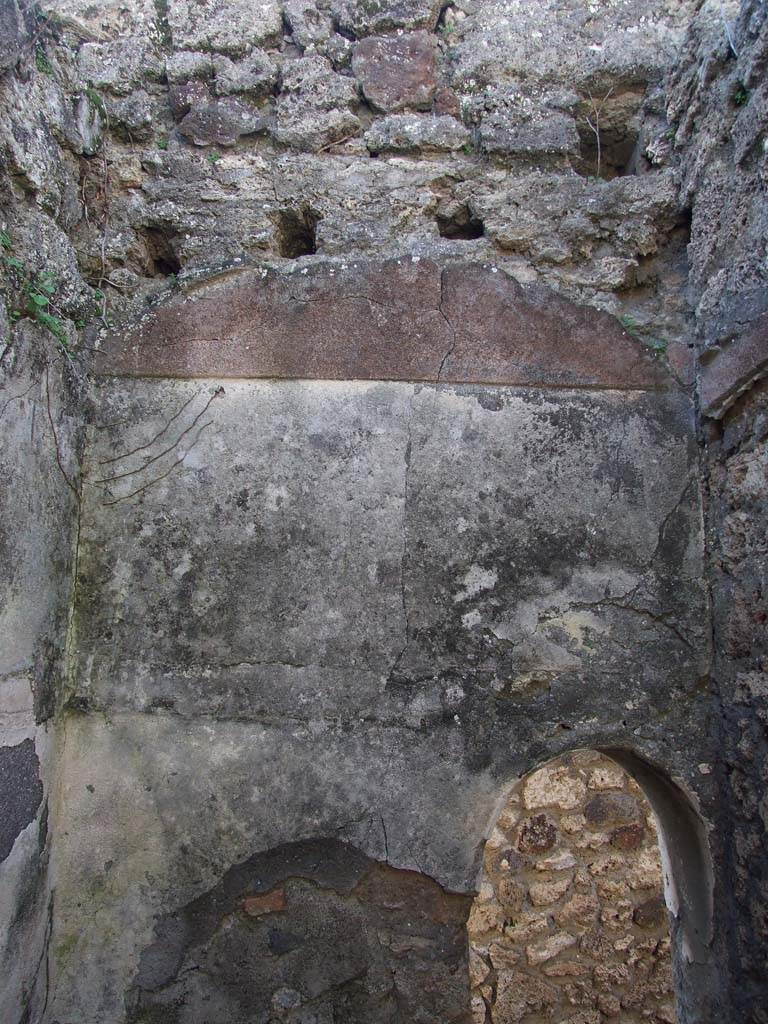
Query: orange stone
{"points": [[268, 903]]}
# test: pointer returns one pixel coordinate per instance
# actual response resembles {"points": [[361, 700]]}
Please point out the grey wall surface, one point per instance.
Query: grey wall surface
{"points": [[356, 610]]}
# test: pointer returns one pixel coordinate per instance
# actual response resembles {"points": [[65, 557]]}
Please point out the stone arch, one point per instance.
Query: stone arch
{"points": [[569, 922]]}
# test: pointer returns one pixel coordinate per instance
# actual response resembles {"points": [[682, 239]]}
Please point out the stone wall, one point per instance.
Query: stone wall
{"points": [[718, 98], [570, 922]]}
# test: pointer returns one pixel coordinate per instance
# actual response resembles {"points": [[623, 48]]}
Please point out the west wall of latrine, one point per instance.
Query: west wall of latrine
{"points": [[170, 143]]}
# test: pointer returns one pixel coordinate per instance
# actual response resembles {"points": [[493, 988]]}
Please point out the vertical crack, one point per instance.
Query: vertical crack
{"points": [[404, 555], [451, 328]]}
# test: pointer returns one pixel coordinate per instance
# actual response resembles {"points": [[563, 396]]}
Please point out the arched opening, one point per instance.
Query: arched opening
{"points": [[594, 897]]}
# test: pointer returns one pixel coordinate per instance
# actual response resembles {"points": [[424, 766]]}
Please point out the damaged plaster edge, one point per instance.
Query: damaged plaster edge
{"points": [[685, 849], [193, 286], [717, 409], [114, 376], [728, 373]]}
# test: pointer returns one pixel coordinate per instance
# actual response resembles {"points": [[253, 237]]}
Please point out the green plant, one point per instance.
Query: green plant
{"points": [[39, 291], [740, 95], [33, 294], [657, 344], [95, 100], [162, 143], [214, 157], [41, 61], [630, 325]]}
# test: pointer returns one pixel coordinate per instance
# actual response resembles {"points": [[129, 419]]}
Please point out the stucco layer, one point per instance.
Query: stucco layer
{"points": [[357, 610]]}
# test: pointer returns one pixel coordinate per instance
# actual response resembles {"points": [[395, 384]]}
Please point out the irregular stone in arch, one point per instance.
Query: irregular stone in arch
{"points": [[404, 319]]}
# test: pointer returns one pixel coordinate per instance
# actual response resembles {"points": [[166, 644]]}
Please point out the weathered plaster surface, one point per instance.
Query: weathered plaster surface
{"points": [[356, 609]]}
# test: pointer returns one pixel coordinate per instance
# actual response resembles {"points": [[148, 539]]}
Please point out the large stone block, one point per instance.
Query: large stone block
{"points": [[397, 72], [234, 27]]}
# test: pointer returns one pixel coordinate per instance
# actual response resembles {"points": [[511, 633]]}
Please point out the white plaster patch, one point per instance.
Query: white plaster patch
{"points": [[275, 497], [578, 623], [476, 580], [185, 564]]}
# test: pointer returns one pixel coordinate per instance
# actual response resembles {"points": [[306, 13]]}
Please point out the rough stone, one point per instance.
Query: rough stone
{"points": [[606, 776], [632, 41], [558, 862], [233, 29], [397, 72], [219, 122], [628, 837], [511, 894], [316, 106], [255, 75], [516, 127], [610, 808], [119, 66], [645, 871], [543, 894], [133, 116], [537, 835], [581, 909], [566, 969], [553, 787], [362, 17], [187, 66], [416, 133], [519, 994], [539, 952], [310, 25], [187, 95]]}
